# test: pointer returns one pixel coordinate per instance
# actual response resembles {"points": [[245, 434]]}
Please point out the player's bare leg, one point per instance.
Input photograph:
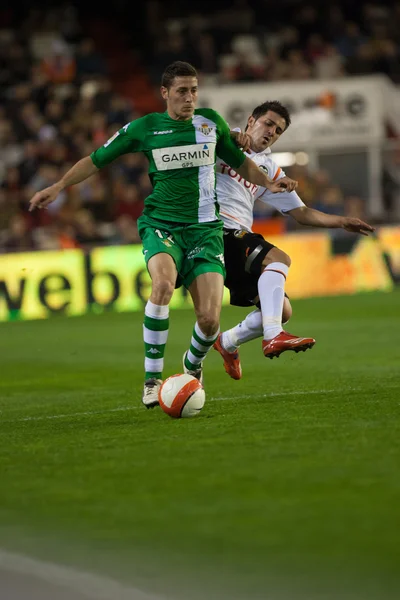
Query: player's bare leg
{"points": [[206, 291], [271, 290], [156, 323], [250, 328]]}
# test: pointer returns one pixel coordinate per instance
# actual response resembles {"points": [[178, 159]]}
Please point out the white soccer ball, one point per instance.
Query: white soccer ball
{"points": [[181, 396]]}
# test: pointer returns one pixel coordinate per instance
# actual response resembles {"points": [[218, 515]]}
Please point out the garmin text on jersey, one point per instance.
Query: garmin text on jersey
{"points": [[182, 157]]}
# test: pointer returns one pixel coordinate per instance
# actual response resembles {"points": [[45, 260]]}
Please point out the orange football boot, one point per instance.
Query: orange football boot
{"points": [[231, 360], [286, 341]]}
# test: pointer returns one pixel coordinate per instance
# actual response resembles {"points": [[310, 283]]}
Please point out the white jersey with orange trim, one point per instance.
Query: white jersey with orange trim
{"points": [[236, 196]]}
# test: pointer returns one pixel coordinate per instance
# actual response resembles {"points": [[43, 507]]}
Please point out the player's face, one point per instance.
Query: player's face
{"points": [[266, 130], [181, 98]]}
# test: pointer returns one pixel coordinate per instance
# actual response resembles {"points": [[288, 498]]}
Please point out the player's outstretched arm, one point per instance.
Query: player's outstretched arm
{"points": [[81, 170], [355, 225], [242, 139], [251, 172], [315, 218]]}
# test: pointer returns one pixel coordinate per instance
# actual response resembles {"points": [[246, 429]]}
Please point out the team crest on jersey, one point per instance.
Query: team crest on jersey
{"points": [[239, 233], [205, 128]]}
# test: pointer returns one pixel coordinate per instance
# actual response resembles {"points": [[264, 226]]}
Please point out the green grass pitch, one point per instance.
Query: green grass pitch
{"points": [[287, 485]]}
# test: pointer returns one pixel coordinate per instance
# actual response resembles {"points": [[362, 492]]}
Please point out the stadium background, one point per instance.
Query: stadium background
{"points": [[70, 77], [287, 484]]}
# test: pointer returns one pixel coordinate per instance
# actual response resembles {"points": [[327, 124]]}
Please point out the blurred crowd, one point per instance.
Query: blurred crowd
{"points": [[259, 40], [58, 102], [57, 105]]}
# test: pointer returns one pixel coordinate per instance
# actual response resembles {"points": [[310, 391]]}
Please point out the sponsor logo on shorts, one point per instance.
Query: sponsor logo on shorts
{"points": [[195, 252], [240, 233]]}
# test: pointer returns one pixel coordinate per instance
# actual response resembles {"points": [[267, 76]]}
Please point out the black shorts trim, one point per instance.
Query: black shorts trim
{"points": [[244, 253]]}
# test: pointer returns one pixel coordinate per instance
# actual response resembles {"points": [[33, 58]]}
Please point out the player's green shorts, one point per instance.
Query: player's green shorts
{"points": [[196, 248]]}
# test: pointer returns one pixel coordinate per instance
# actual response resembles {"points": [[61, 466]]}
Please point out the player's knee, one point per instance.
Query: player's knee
{"points": [[278, 255], [284, 258], [208, 323], [287, 310], [162, 290]]}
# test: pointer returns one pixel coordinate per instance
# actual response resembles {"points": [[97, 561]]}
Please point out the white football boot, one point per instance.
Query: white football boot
{"points": [[150, 392]]}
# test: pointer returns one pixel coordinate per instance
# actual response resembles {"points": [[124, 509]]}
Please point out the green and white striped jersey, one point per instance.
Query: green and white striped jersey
{"points": [[182, 157]]}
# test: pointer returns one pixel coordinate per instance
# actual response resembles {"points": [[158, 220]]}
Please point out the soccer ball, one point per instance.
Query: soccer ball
{"points": [[181, 396]]}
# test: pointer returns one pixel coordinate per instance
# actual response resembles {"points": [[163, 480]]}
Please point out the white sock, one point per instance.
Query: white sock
{"points": [[249, 329], [271, 290]]}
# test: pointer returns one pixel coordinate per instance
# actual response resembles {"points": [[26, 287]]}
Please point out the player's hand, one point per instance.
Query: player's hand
{"points": [[242, 140], [357, 226], [43, 198], [284, 184]]}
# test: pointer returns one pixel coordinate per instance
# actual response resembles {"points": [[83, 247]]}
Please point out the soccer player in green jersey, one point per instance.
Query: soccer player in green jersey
{"points": [[180, 226]]}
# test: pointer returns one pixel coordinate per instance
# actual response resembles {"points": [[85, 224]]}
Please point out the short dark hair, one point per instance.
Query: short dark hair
{"points": [[276, 107], [177, 69]]}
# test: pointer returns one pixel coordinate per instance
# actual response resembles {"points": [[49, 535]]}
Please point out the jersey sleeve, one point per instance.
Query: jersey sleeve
{"points": [[282, 201], [226, 147], [128, 139]]}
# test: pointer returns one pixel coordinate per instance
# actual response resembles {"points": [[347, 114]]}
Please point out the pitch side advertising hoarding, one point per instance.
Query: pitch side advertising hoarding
{"points": [[37, 285]]}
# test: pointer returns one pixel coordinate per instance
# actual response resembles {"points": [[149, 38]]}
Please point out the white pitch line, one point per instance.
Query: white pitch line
{"points": [[87, 585], [88, 413], [128, 408], [276, 394]]}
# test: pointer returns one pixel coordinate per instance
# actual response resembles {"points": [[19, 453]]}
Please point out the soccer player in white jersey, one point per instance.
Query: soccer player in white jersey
{"points": [[180, 227], [257, 270]]}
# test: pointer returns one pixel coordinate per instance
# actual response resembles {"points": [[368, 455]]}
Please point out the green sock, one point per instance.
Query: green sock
{"points": [[155, 334], [200, 344]]}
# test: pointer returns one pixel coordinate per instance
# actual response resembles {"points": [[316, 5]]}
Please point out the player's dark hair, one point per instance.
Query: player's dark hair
{"points": [[177, 69], [276, 107]]}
